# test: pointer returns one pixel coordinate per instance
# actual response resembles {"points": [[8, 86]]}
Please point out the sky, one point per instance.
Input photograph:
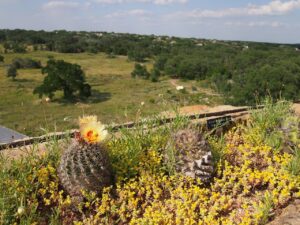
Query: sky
{"points": [[249, 20]]}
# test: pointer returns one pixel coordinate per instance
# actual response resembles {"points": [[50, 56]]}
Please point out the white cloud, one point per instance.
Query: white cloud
{"points": [[276, 7], [256, 24], [158, 2], [60, 5], [134, 12]]}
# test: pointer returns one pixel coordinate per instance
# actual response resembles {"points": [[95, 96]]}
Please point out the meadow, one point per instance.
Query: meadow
{"points": [[116, 97]]}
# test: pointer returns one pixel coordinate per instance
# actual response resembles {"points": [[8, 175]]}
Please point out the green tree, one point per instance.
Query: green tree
{"points": [[138, 55], [17, 48], [140, 71], [154, 75], [160, 62], [12, 72], [63, 76]]}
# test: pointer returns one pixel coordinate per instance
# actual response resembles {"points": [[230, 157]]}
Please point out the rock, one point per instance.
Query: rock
{"points": [[289, 216]]}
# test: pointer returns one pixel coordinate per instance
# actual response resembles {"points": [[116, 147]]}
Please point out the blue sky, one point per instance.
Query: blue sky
{"points": [[254, 20]]}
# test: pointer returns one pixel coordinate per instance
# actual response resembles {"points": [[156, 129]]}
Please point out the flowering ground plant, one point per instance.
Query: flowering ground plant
{"points": [[254, 179]]}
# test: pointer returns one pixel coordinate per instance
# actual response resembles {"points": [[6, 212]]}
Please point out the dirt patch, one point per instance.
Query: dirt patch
{"points": [[189, 86], [196, 109], [296, 108]]}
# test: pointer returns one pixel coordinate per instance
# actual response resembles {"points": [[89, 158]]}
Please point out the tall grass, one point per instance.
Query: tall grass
{"points": [[294, 165], [271, 115]]}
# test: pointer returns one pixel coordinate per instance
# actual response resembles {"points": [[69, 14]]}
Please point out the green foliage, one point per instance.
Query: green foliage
{"points": [[241, 74], [63, 76], [26, 63], [160, 62], [136, 145], [266, 208], [266, 121], [140, 71], [271, 115], [12, 72], [15, 47], [138, 55], [281, 79], [154, 75], [294, 165], [218, 144], [1, 58]]}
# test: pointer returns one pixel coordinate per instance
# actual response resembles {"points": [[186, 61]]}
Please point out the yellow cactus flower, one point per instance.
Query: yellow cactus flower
{"points": [[91, 130]]}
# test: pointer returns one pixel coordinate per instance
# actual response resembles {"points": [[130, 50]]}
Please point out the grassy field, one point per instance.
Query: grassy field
{"points": [[116, 96]]}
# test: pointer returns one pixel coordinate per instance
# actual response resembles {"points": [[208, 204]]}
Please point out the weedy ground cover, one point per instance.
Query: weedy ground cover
{"points": [[253, 179]]}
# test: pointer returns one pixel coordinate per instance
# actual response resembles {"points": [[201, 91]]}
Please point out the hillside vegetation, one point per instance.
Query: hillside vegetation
{"points": [[242, 71], [213, 72]]}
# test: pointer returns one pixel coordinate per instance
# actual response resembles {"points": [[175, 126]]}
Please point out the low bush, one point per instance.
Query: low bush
{"points": [[26, 63]]}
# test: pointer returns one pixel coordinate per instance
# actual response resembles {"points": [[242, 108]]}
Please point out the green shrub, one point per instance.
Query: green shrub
{"points": [[26, 63], [12, 72], [140, 71]]}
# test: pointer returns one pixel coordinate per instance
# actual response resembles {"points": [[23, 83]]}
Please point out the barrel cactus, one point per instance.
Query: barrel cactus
{"points": [[191, 154], [85, 164]]}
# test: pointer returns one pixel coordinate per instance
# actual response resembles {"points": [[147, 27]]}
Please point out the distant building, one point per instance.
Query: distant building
{"points": [[297, 49], [7, 135]]}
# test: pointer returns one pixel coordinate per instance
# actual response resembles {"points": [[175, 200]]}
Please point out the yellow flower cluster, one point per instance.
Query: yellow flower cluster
{"points": [[49, 191], [248, 173], [251, 181]]}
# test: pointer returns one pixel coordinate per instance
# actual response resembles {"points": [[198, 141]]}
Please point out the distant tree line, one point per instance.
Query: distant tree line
{"points": [[242, 75], [242, 71], [136, 47]]}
